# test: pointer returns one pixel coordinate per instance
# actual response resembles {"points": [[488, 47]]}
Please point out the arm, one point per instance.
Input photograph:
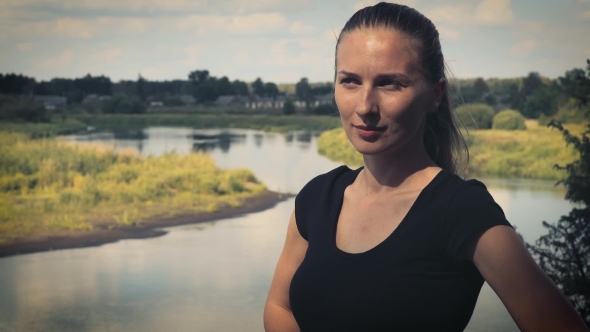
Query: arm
{"points": [[532, 299], [277, 311]]}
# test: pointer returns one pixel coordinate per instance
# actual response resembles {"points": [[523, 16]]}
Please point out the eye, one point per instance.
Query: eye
{"points": [[349, 81], [389, 83]]}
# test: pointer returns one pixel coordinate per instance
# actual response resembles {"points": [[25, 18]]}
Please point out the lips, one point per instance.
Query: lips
{"points": [[369, 133]]}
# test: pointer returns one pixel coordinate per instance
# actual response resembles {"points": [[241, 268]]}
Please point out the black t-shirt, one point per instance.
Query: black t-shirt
{"points": [[418, 279]]}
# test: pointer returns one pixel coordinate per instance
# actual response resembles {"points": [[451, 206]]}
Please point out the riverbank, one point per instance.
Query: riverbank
{"points": [[50, 187], [526, 154], [270, 122], [147, 228]]}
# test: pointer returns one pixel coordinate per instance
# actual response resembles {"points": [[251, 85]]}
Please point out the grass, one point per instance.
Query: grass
{"points": [[273, 123], [48, 185], [39, 130], [529, 154]]}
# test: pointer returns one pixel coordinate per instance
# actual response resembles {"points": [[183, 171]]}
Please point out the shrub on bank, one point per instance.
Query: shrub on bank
{"points": [[476, 116], [509, 120]]}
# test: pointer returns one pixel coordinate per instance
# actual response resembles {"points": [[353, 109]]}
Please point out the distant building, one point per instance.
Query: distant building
{"points": [[52, 102], [231, 101], [265, 102], [326, 99], [188, 99], [93, 99], [156, 104]]}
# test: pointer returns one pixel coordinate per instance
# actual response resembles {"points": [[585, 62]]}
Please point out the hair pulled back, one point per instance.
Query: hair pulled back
{"points": [[443, 141]]}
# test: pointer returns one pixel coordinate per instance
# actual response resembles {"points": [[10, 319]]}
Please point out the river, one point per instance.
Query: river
{"points": [[212, 276]]}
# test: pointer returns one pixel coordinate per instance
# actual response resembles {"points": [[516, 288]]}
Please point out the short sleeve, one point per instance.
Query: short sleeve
{"points": [[471, 212], [301, 206]]}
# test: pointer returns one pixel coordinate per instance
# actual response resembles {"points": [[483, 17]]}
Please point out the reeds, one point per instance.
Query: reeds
{"points": [[49, 185]]}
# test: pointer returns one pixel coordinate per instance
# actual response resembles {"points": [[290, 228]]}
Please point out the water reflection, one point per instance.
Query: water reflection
{"points": [[222, 141]]}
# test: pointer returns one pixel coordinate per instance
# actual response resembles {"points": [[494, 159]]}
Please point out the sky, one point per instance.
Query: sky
{"points": [[277, 40]]}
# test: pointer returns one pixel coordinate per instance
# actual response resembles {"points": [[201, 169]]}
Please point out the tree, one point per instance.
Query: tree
{"points": [[481, 88], [241, 88], [542, 101], [271, 90], [258, 87], [302, 89], [530, 84], [225, 87], [564, 252], [141, 88], [198, 76]]}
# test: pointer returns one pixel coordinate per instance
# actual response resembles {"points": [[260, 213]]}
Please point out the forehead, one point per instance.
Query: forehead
{"points": [[377, 50]]}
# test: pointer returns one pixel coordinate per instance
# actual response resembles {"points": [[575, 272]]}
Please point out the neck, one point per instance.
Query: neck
{"points": [[386, 172]]}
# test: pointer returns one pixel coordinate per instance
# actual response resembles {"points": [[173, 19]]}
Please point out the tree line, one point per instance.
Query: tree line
{"points": [[200, 84]]}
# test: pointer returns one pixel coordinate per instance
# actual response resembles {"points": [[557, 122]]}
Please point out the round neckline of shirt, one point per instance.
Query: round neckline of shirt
{"points": [[335, 214]]}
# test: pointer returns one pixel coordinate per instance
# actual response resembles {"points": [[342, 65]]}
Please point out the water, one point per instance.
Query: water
{"points": [[211, 276]]}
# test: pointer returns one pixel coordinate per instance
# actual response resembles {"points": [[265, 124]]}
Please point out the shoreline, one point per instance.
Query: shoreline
{"points": [[147, 228]]}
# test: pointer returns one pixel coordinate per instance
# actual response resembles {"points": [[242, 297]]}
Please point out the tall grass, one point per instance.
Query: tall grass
{"points": [[48, 185], [270, 122], [528, 154], [39, 130]]}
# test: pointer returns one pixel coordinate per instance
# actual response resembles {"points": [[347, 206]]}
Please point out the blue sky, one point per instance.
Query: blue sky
{"points": [[277, 40]]}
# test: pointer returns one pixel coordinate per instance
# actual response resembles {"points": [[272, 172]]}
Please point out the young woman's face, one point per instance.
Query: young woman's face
{"points": [[382, 96]]}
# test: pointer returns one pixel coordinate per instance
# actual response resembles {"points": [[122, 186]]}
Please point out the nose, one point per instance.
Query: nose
{"points": [[367, 103]]}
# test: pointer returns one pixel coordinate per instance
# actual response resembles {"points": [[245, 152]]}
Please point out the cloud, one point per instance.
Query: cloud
{"points": [[332, 34], [106, 55], [487, 12], [586, 15], [494, 12], [193, 52], [523, 47], [60, 61], [300, 28], [151, 8], [25, 47], [364, 3], [446, 33], [248, 24]]}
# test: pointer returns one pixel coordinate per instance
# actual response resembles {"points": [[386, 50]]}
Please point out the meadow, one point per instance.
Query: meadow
{"points": [[528, 154], [48, 185]]}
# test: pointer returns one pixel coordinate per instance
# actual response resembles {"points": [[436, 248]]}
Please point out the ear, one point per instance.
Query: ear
{"points": [[438, 92]]}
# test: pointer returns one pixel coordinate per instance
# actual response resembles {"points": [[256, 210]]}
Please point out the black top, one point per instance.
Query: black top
{"points": [[418, 279]]}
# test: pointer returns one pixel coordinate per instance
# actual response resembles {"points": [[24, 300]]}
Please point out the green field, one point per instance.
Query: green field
{"points": [[528, 154], [48, 185]]}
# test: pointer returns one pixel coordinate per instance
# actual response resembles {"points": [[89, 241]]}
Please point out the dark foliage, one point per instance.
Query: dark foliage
{"points": [[124, 104], [564, 252], [325, 109], [288, 108], [15, 108]]}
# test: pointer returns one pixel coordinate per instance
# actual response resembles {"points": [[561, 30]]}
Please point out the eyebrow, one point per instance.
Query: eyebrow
{"points": [[398, 76]]}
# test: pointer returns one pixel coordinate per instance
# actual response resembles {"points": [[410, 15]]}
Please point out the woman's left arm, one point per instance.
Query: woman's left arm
{"points": [[532, 299]]}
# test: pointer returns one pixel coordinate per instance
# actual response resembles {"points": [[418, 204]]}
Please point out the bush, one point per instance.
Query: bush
{"points": [[476, 116], [509, 120], [123, 104]]}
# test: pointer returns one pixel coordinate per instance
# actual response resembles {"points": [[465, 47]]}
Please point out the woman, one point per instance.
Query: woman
{"points": [[402, 244]]}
